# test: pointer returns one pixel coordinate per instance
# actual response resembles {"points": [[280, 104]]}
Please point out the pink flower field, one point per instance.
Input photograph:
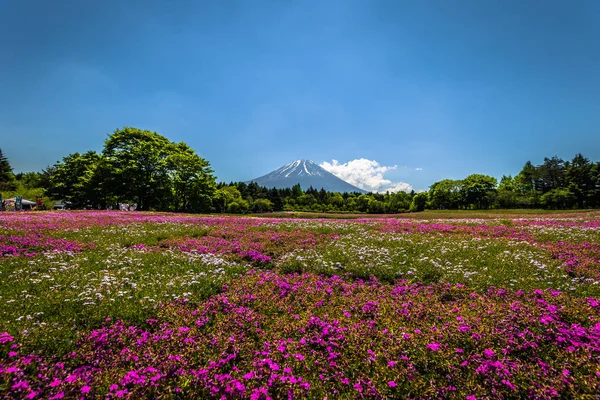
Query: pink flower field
{"points": [[104, 305]]}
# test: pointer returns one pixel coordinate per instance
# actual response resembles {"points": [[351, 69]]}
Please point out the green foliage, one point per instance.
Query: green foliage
{"points": [[144, 167], [192, 179], [73, 180], [446, 194], [7, 178], [225, 196], [262, 205], [477, 190], [135, 166], [234, 208], [555, 184], [419, 202], [559, 199]]}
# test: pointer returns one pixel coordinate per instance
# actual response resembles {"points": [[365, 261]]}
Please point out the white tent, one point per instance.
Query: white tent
{"points": [[24, 202]]}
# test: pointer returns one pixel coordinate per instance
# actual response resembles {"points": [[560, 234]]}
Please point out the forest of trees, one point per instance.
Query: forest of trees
{"points": [[145, 168], [555, 184], [241, 197], [135, 166]]}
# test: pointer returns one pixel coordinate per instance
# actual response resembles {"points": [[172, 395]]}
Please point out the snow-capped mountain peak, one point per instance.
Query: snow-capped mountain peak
{"points": [[299, 167], [307, 173]]}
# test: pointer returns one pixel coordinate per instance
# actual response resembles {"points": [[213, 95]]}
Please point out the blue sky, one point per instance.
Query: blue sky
{"points": [[451, 87]]}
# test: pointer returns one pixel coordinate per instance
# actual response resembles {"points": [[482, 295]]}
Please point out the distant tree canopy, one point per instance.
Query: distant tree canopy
{"points": [[135, 166], [555, 184], [144, 167], [250, 197]]}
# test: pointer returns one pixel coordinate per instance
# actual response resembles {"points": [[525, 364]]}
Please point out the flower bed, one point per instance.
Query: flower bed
{"points": [[274, 336]]}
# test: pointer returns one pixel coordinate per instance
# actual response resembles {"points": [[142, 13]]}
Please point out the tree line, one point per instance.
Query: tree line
{"points": [[554, 184], [237, 197], [145, 168], [135, 166]]}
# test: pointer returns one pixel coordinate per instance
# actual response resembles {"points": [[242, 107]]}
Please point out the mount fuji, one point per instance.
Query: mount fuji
{"points": [[307, 173]]}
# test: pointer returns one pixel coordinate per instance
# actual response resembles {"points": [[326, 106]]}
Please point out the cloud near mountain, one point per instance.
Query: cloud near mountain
{"points": [[366, 174]]}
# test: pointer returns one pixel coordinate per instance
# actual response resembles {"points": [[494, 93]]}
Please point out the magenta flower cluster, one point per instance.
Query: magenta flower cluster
{"points": [[257, 246], [270, 336], [31, 244]]}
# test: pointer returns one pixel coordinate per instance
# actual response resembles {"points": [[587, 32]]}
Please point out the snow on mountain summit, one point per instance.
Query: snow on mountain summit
{"points": [[299, 167], [307, 173]]}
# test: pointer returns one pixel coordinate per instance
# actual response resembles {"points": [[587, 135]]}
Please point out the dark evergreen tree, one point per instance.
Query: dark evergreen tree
{"points": [[7, 178]]}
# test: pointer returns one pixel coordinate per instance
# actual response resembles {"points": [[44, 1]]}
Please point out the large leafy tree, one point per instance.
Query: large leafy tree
{"points": [[551, 174], [445, 194], [478, 190], [146, 168], [276, 199], [191, 176], [136, 166], [419, 201], [525, 180], [225, 196], [7, 178], [73, 180], [559, 198], [580, 176]]}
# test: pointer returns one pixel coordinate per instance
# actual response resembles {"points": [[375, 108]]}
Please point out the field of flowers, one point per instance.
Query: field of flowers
{"points": [[138, 305]]}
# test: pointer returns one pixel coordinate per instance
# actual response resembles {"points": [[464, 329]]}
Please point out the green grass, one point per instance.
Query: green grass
{"points": [[434, 214], [47, 300]]}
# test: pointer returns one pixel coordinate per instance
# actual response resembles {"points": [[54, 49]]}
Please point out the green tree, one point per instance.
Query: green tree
{"points": [[446, 194], [419, 201], [595, 192], [559, 199], [262, 205], [72, 180], [7, 178], [580, 180], [296, 191], [362, 202], [376, 207], [337, 200], [525, 180], [276, 199], [192, 180], [307, 201], [551, 174], [225, 196], [137, 162], [477, 191], [30, 180]]}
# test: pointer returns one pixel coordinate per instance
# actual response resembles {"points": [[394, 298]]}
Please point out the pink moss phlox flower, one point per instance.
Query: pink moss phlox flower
{"points": [[5, 337], [434, 346], [20, 385], [55, 383]]}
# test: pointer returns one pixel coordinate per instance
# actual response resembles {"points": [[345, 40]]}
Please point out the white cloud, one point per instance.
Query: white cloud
{"points": [[418, 169], [398, 187], [366, 174]]}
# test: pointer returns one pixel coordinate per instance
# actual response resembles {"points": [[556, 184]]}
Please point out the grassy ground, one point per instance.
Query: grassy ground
{"points": [[433, 214], [49, 298], [129, 264]]}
